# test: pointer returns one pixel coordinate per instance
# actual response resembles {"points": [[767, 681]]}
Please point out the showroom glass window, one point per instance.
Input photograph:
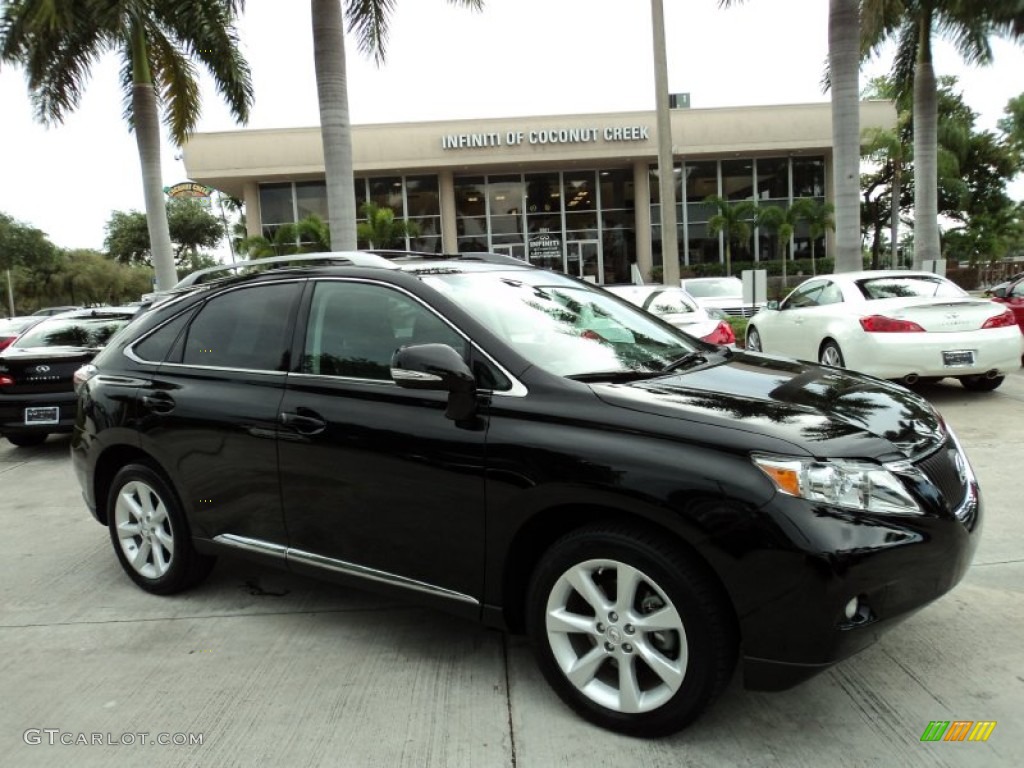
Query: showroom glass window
{"points": [[247, 328], [701, 182], [808, 181], [538, 217], [290, 202], [618, 223]]}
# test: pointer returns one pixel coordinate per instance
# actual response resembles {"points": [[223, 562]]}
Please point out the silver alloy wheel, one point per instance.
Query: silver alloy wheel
{"points": [[753, 340], [616, 636], [144, 529], [831, 355]]}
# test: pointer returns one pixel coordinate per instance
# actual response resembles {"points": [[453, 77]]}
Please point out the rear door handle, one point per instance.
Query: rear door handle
{"points": [[158, 402], [304, 424]]}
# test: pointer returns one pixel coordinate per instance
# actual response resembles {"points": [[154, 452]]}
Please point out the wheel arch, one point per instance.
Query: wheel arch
{"points": [[108, 465], [543, 529]]}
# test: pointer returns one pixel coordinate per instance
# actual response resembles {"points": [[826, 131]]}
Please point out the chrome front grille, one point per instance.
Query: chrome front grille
{"points": [[747, 311], [947, 469]]}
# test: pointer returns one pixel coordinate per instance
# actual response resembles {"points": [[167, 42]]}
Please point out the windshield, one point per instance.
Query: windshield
{"points": [[73, 332], [714, 289], [906, 286], [564, 326]]}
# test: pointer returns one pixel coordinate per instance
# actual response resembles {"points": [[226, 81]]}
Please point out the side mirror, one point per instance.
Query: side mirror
{"points": [[437, 367], [773, 304], [999, 293]]}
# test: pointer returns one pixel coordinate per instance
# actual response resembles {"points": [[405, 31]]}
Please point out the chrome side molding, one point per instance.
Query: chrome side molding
{"points": [[314, 560]]}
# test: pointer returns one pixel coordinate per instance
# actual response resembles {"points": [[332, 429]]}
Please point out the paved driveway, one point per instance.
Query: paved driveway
{"points": [[271, 669]]}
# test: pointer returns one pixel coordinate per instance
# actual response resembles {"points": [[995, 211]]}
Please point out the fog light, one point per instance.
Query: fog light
{"points": [[852, 607]]}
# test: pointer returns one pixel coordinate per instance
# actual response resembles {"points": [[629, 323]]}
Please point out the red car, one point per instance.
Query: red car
{"points": [[12, 327], [1013, 297]]}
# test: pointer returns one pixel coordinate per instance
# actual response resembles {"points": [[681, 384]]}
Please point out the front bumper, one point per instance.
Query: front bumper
{"points": [[797, 626]]}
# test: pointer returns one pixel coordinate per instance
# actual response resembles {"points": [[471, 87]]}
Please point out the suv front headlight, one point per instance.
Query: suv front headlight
{"points": [[840, 482]]}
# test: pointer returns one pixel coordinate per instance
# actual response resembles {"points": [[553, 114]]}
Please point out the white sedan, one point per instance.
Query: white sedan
{"points": [[676, 307], [895, 325], [720, 293]]}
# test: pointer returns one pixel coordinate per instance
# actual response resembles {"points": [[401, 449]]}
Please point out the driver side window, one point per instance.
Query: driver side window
{"points": [[354, 329], [808, 296]]}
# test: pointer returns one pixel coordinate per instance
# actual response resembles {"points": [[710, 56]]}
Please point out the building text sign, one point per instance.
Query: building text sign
{"points": [[545, 136]]}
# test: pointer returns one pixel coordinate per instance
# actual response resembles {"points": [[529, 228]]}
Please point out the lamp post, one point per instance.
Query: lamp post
{"points": [[666, 170]]}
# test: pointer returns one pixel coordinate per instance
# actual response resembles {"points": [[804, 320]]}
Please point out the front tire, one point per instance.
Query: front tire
{"points": [[629, 633], [150, 534], [830, 354], [980, 383], [753, 343]]}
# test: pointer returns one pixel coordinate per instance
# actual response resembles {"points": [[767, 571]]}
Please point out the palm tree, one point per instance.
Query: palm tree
{"points": [[913, 24], [844, 35], [369, 19], [844, 22], [309, 235], [57, 42], [781, 222], [381, 229], [733, 220], [819, 217]]}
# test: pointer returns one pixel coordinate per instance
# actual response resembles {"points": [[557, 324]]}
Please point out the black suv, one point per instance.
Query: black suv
{"points": [[528, 450]]}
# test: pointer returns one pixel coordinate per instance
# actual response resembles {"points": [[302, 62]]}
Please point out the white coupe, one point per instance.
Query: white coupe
{"points": [[895, 325]]}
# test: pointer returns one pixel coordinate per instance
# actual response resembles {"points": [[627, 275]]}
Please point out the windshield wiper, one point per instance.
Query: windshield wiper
{"points": [[684, 361], [613, 375]]}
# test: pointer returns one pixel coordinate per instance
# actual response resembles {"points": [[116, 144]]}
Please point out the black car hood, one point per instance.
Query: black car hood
{"points": [[828, 411]]}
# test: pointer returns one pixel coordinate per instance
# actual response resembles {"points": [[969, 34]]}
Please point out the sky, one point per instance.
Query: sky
{"points": [[516, 58]]}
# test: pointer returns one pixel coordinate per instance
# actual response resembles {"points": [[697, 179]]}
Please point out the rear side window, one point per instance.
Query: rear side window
{"points": [[247, 328], [156, 347]]}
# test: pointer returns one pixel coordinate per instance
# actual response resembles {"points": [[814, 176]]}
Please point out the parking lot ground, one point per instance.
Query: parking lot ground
{"points": [[267, 668]]}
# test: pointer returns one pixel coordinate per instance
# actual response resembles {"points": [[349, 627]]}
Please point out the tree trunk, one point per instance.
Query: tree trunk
{"points": [[666, 163], [147, 138], [844, 62], [335, 128], [894, 227], [926, 130]]}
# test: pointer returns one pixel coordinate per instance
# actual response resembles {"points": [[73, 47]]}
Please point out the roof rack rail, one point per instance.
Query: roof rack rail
{"points": [[349, 258], [490, 258]]}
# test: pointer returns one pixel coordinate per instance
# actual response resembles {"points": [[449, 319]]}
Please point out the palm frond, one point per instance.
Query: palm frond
{"points": [[369, 20], [206, 31], [177, 86]]}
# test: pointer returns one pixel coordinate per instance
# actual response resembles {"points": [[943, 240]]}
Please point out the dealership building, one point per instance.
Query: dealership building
{"points": [[577, 193]]}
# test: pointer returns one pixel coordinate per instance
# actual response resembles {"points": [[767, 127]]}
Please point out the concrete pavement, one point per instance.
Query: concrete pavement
{"points": [[271, 669]]}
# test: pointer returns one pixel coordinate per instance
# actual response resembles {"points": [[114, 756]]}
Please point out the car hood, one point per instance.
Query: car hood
{"points": [[831, 413]]}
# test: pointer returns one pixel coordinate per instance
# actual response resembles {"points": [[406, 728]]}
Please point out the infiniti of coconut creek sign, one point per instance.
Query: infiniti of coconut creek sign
{"points": [[545, 136]]}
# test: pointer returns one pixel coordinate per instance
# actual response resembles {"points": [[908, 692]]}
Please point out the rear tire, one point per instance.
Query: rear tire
{"points": [[630, 634], [980, 383], [830, 354], [28, 439], [150, 534]]}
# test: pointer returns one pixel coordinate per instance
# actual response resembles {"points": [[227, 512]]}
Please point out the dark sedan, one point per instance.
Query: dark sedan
{"points": [[524, 449], [36, 391]]}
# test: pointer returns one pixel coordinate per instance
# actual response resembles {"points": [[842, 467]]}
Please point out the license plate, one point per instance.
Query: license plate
{"points": [[47, 415], [958, 358]]}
